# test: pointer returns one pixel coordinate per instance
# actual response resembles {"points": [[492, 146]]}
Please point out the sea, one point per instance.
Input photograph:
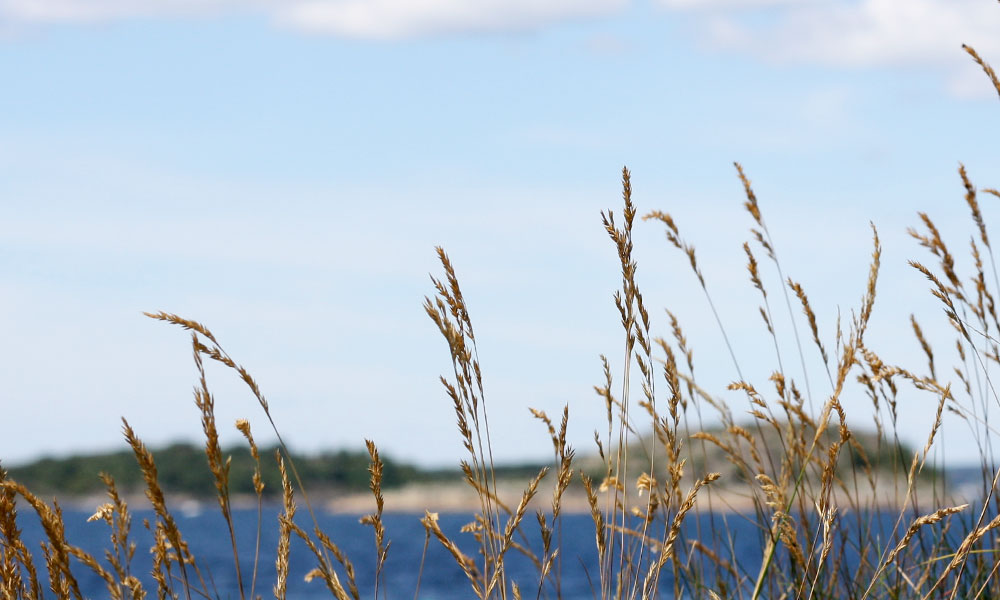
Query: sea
{"points": [[410, 570], [416, 567]]}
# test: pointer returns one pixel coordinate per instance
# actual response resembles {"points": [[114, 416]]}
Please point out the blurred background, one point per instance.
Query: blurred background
{"points": [[282, 171]]}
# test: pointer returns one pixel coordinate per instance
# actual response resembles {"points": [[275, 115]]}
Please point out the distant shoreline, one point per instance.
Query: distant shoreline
{"points": [[458, 497]]}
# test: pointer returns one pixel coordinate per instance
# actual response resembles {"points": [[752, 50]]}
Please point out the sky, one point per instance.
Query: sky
{"points": [[282, 172]]}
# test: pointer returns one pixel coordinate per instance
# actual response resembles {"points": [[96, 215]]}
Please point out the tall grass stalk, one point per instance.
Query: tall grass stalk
{"points": [[664, 498]]}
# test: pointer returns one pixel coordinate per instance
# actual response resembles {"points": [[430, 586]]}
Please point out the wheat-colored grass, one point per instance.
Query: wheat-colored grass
{"points": [[669, 452]]}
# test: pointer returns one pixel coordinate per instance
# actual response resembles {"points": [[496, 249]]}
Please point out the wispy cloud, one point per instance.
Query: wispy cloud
{"points": [[62, 11], [863, 33], [869, 32], [373, 19], [713, 5], [382, 19]]}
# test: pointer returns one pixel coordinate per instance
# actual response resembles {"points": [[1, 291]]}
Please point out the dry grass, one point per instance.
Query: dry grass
{"points": [[815, 493]]}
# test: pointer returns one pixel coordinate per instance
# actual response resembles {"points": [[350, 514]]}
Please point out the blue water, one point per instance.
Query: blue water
{"points": [[739, 540], [441, 579]]}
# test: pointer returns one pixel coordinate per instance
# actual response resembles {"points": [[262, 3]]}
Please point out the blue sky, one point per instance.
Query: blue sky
{"points": [[282, 171]]}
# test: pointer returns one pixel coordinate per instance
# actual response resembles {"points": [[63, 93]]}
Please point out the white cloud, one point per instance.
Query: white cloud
{"points": [[382, 19], [375, 19], [712, 5], [56, 11], [862, 33]]}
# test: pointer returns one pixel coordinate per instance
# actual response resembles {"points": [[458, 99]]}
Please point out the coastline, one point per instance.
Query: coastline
{"points": [[459, 497]]}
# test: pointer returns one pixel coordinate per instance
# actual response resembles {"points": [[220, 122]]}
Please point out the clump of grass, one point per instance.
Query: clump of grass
{"points": [[816, 495]]}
